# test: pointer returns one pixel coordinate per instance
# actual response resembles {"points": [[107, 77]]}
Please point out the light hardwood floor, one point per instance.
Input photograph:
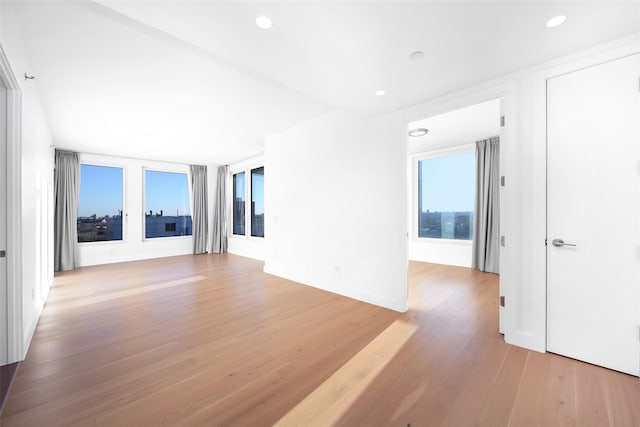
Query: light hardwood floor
{"points": [[211, 340]]}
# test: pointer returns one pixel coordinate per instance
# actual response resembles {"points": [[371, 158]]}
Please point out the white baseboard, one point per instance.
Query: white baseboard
{"points": [[375, 299]]}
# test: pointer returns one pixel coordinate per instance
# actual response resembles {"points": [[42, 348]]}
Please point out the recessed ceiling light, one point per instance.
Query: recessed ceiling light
{"points": [[263, 22], [418, 132], [379, 92], [416, 56], [555, 21]]}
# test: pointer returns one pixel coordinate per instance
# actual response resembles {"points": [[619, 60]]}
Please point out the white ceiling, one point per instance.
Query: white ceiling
{"points": [[199, 82], [455, 128]]}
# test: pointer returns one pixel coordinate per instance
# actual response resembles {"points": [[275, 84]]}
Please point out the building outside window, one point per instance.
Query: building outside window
{"points": [[100, 204], [167, 204], [238, 203], [446, 196]]}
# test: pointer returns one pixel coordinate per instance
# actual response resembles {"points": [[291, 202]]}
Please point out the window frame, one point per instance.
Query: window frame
{"points": [[183, 169], [89, 162], [415, 161], [250, 201], [245, 167]]}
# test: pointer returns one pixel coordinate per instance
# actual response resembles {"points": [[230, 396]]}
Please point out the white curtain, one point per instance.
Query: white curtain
{"points": [[67, 190], [486, 223], [200, 210], [219, 240]]}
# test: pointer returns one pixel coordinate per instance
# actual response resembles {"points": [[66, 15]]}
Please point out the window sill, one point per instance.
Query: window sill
{"points": [[156, 239], [102, 242], [442, 241], [243, 237]]}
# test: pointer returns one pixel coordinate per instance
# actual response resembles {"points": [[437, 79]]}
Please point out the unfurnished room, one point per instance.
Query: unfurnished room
{"points": [[319, 213]]}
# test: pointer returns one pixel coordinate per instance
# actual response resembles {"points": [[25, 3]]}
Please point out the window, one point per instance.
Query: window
{"points": [[238, 203], [100, 204], [167, 204], [446, 193], [248, 202], [257, 202]]}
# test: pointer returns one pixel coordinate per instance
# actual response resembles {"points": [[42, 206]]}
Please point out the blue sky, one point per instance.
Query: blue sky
{"points": [[257, 183], [168, 192], [238, 186], [448, 183], [101, 191]]}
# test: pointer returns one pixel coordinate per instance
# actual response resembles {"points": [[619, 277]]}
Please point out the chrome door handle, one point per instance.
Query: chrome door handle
{"points": [[559, 243]]}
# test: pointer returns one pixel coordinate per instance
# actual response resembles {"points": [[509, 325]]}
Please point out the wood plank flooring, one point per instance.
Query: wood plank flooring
{"points": [[211, 340]]}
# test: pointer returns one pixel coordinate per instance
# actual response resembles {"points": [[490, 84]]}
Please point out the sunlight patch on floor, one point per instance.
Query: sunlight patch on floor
{"points": [[332, 399], [115, 295]]}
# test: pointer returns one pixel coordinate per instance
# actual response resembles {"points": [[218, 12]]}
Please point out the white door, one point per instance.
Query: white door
{"points": [[3, 226], [593, 202]]}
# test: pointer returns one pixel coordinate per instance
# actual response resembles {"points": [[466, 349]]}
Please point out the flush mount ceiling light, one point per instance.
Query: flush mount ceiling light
{"points": [[263, 22], [418, 132], [379, 92], [555, 21], [416, 56]]}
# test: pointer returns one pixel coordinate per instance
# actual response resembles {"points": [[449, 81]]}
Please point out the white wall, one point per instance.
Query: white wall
{"points": [[523, 199], [446, 131], [134, 246], [247, 246], [336, 207], [37, 180]]}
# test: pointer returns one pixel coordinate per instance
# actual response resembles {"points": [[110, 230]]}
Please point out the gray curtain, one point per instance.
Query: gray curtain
{"points": [[219, 241], [486, 222], [200, 211], [67, 188]]}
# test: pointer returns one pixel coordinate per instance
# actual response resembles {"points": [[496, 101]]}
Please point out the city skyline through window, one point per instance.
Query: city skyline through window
{"points": [[100, 206], [446, 196], [100, 203], [167, 204], [238, 203]]}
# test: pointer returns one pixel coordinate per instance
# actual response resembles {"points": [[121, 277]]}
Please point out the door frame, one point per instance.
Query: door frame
{"points": [[505, 90], [15, 335]]}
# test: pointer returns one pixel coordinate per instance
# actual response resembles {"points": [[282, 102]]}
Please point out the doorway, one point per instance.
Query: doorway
{"points": [[593, 215], [442, 181], [442, 185]]}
